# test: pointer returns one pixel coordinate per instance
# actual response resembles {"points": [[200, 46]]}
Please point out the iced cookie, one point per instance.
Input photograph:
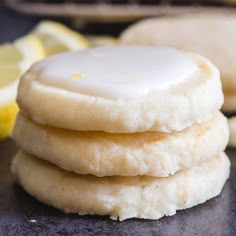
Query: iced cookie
{"points": [[122, 89]]}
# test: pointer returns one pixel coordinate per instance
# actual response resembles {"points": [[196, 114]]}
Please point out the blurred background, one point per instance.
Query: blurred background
{"points": [[95, 16]]}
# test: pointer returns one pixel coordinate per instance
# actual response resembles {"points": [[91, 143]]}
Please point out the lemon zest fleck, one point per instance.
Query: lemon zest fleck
{"points": [[78, 76]]}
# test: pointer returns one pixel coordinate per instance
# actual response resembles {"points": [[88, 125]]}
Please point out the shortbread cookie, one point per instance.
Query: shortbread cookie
{"points": [[104, 154], [121, 197], [121, 89], [211, 35]]}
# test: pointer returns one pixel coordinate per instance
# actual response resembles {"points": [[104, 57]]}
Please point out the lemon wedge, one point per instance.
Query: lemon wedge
{"points": [[15, 59], [30, 49], [9, 54], [7, 119], [58, 38]]}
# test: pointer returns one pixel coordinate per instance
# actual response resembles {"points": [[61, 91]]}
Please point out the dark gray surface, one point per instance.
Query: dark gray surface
{"points": [[18, 210]]}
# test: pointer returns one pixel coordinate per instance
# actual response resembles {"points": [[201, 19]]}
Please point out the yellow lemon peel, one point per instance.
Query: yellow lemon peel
{"points": [[7, 119]]}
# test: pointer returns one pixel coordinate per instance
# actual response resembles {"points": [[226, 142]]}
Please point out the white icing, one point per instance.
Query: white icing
{"points": [[116, 72]]}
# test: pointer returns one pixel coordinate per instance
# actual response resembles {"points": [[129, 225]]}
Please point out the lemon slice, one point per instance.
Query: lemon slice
{"points": [[9, 54], [31, 50], [14, 60], [58, 38], [101, 40], [9, 75], [7, 119]]}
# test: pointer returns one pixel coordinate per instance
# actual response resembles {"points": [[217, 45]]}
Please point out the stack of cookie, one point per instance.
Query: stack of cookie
{"points": [[125, 131]]}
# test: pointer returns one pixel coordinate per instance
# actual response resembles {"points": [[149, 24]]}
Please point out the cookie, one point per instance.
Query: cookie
{"points": [[104, 154], [122, 89], [121, 197], [211, 35]]}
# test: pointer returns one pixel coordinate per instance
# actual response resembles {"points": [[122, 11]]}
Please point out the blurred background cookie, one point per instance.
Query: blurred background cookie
{"points": [[212, 35]]}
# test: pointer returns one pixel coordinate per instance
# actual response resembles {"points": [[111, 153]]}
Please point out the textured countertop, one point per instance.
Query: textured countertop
{"points": [[21, 214]]}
